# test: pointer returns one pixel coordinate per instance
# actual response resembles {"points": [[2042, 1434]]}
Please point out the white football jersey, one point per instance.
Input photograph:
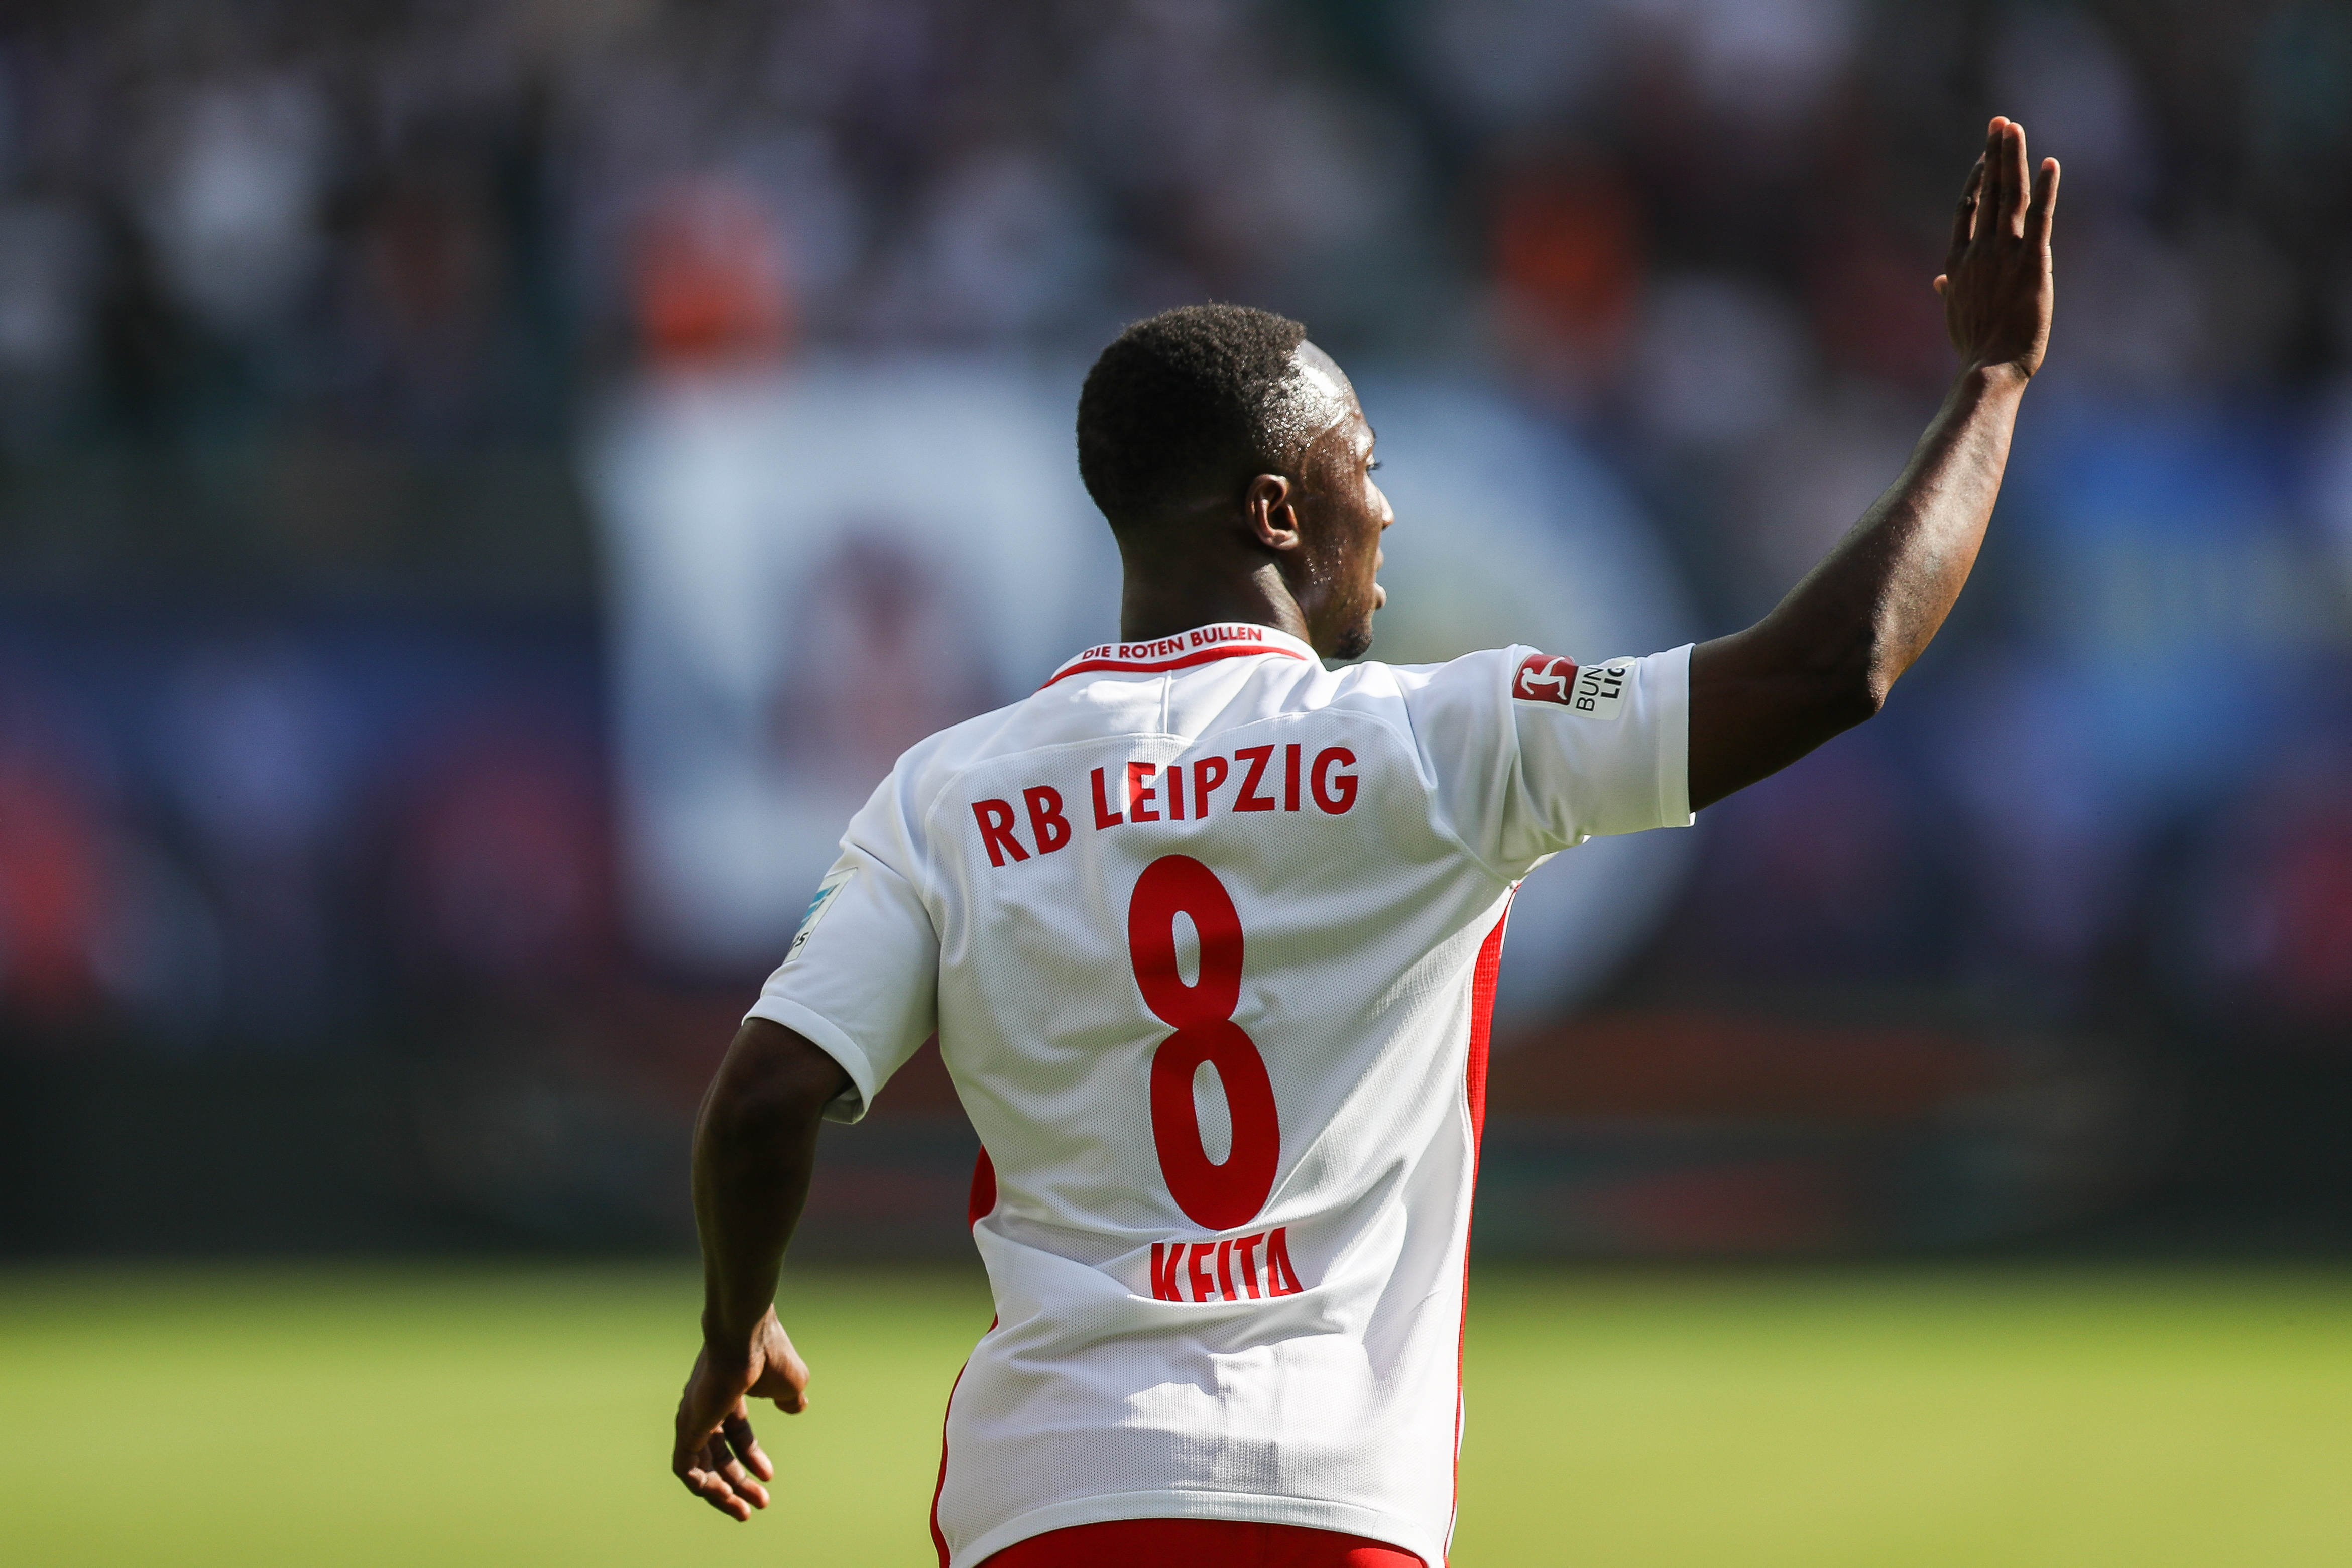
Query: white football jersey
{"points": [[1209, 936]]}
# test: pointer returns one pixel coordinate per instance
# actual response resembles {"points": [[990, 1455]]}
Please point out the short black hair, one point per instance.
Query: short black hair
{"points": [[1178, 404]]}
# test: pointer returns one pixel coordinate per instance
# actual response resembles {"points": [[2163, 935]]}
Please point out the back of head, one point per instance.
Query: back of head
{"points": [[1175, 411]]}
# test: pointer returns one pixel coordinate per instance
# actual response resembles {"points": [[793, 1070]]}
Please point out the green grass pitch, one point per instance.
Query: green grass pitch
{"points": [[448, 1418]]}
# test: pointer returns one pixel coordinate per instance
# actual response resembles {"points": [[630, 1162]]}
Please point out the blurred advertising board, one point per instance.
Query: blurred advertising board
{"points": [[809, 573], [294, 828]]}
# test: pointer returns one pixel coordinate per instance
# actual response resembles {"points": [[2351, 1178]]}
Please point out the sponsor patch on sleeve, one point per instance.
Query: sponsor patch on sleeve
{"points": [[1596, 691], [1600, 688], [1544, 678], [826, 891]]}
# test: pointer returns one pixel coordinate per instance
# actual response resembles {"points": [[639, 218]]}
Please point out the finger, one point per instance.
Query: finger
{"points": [[2044, 210], [740, 1479], [739, 1438], [713, 1490], [719, 1461], [1996, 171], [719, 1457], [2016, 184], [734, 1448], [1964, 217], [1993, 191], [705, 1483]]}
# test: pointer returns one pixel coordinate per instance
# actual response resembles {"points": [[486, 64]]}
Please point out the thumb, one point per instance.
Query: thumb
{"points": [[784, 1379], [786, 1383]]}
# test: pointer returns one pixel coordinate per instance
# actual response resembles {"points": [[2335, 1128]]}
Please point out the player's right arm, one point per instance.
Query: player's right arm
{"points": [[1823, 660], [754, 1148], [854, 998]]}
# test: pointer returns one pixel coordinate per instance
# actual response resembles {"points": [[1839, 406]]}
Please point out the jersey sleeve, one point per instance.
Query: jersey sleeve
{"points": [[861, 977], [1532, 754]]}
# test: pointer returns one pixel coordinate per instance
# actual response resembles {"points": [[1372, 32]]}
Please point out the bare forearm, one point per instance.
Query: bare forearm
{"points": [[754, 1149], [1870, 608], [1895, 576], [1825, 658]]}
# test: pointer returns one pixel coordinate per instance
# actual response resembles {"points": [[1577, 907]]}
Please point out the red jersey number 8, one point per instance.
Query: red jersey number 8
{"points": [[1215, 1197]]}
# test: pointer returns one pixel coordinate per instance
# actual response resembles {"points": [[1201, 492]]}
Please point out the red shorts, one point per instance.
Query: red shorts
{"points": [[1193, 1542]]}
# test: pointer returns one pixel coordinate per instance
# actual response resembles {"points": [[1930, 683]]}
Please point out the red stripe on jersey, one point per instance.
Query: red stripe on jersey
{"points": [[1191, 1543], [983, 1201], [1146, 667], [1482, 1027], [1474, 1088], [939, 1536], [983, 1189]]}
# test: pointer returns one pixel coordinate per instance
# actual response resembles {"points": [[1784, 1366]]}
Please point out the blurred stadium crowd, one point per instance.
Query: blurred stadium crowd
{"points": [[306, 312]]}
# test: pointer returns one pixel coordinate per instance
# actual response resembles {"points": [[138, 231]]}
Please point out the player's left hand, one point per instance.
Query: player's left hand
{"points": [[1997, 283], [716, 1455]]}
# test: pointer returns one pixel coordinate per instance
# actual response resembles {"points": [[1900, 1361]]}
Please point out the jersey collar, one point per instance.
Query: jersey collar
{"points": [[1201, 645]]}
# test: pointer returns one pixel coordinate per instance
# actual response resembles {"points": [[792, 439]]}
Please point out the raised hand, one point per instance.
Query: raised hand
{"points": [[1825, 658], [716, 1455], [1996, 282]]}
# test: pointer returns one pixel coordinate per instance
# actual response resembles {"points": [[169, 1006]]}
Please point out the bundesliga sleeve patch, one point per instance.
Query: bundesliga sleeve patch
{"points": [[834, 881], [1597, 691]]}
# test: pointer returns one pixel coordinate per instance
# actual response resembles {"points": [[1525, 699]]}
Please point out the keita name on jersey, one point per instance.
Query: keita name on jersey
{"points": [[1213, 1269]]}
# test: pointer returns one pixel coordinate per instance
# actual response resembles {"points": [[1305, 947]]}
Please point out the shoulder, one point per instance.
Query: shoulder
{"points": [[1444, 714], [1483, 677]]}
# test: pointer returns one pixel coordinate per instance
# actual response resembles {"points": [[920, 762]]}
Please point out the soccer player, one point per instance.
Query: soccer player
{"points": [[1208, 933]]}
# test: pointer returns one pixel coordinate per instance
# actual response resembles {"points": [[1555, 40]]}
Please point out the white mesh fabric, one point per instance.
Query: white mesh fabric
{"points": [[1362, 920]]}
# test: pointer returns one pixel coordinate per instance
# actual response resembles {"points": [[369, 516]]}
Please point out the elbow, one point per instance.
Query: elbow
{"points": [[1849, 690], [1861, 699], [1859, 679], [1836, 682], [740, 1115]]}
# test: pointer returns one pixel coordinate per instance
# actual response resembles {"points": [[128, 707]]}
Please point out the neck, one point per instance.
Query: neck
{"points": [[1171, 593]]}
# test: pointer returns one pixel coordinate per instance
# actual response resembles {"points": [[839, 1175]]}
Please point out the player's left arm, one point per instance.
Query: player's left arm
{"points": [[1823, 660], [754, 1147]]}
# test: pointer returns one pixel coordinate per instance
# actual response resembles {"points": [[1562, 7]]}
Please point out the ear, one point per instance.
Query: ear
{"points": [[1268, 510]]}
